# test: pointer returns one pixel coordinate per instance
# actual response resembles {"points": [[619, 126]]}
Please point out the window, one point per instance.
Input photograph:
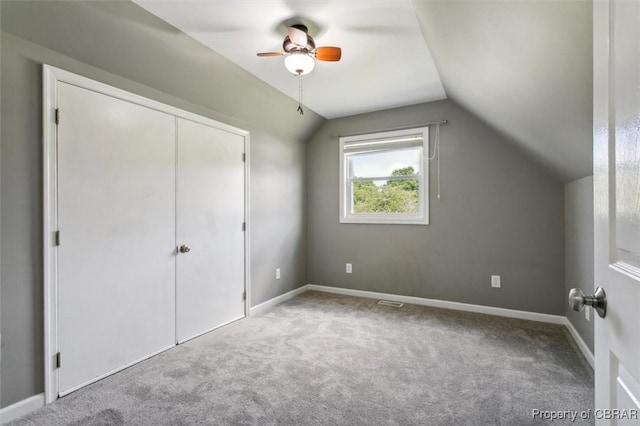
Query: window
{"points": [[384, 177]]}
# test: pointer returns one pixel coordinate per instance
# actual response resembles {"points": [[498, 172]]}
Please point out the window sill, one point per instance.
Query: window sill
{"points": [[384, 221]]}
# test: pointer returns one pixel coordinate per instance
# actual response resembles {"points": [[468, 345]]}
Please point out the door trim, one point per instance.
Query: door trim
{"points": [[50, 77]]}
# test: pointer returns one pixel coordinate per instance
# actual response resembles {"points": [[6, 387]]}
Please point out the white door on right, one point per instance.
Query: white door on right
{"points": [[617, 208], [210, 214]]}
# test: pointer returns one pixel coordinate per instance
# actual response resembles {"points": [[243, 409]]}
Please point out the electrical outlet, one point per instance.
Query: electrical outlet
{"points": [[277, 273], [495, 281], [349, 268], [586, 313]]}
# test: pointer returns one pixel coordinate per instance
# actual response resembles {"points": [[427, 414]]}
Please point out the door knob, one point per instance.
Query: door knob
{"points": [[577, 300], [184, 248]]}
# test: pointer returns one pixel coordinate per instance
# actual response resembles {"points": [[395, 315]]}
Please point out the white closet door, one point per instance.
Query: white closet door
{"points": [[210, 209], [116, 210]]}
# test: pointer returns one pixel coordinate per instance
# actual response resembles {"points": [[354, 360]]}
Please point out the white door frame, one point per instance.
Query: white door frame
{"points": [[51, 76]]}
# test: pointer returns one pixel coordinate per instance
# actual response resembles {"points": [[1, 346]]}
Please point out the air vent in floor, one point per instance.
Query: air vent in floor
{"points": [[390, 303]]}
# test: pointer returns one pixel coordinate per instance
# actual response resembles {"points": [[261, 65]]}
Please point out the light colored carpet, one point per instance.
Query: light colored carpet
{"points": [[325, 359]]}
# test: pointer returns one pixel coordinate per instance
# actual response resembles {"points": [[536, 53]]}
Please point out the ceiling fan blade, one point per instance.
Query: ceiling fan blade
{"points": [[328, 53], [270, 54], [297, 36]]}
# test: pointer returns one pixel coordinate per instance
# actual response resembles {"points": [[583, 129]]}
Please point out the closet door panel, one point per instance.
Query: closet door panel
{"points": [[116, 210], [210, 213]]}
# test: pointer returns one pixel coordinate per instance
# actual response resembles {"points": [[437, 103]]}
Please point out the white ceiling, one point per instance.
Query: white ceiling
{"points": [[522, 66], [385, 63]]}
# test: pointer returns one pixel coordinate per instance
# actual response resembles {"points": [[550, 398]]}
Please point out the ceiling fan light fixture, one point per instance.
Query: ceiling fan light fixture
{"points": [[299, 62]]}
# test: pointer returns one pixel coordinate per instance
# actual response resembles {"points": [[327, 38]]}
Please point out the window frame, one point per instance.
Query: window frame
{"points": [[346, 181]]}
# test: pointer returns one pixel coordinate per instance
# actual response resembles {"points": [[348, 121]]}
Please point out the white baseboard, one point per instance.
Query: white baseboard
{"points": [[21, 408], [489, 310], [581, 343], [276, 300], [511, 313]]}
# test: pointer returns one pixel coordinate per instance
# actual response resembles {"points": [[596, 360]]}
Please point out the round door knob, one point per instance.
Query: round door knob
{"points": [[577, 301], [184, 248]]}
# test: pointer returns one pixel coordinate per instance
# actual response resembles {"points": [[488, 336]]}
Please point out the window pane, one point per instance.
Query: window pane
{"points": [[386, 163], [384, 177], [393, 196]]}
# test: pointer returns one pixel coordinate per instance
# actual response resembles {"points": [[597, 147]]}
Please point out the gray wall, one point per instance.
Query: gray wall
{"points": [[500, 213], [578, 205], [120, 44]]}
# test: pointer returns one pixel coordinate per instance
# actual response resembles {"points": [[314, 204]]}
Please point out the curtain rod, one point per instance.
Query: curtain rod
{"points": [[390, 129]]}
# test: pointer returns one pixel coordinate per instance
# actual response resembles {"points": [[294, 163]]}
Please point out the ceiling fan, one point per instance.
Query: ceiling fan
{"points": [[300, 51]]}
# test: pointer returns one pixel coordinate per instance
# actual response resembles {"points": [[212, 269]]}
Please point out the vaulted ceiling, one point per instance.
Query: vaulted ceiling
{"points": [[524, 67], [385, 63]]}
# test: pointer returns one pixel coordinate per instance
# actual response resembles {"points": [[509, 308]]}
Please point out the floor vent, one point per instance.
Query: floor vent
{"points": [[390, 303]]}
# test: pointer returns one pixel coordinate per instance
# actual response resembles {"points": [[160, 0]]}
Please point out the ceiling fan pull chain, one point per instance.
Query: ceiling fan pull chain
{"points": [[300, 110]]}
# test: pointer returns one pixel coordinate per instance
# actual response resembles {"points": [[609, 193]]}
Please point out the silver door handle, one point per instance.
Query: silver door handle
{"points": [[577, 300], [184, 248]]}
